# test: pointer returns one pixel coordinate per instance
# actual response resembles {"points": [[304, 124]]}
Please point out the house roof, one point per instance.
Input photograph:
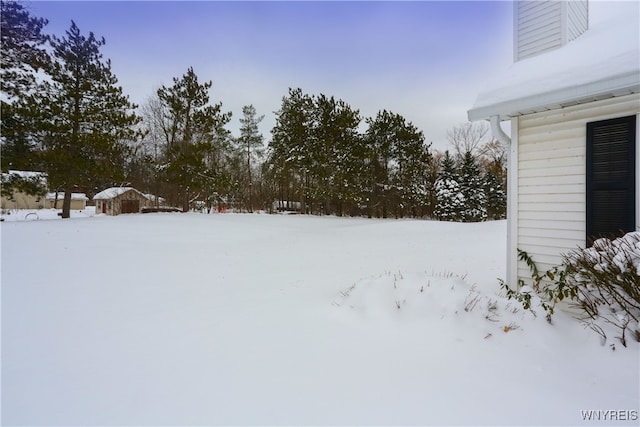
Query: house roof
{"points": [[113, 192], [28, 175], [603, 62], [74, 196]]}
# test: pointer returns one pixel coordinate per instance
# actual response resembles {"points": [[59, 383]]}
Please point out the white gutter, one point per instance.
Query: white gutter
{"points": [[619, 85], [499, 134]]}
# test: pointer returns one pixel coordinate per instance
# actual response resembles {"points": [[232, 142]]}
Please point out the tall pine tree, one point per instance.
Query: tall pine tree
{"points": [[338, 155], [88, 119], [495, 194], [23, 54], [191, 126], [292, 148], [251, 142], [450, 201], [22, 43], [471, 186]]}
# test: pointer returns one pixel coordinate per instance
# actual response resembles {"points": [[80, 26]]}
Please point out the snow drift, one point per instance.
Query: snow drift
{"points": [[185, 319]]}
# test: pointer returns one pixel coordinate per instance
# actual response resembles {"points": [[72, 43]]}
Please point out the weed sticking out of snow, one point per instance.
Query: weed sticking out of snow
{"points": [[442, 302]]}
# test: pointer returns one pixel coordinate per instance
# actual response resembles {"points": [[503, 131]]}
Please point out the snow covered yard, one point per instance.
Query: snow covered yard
{"points": [[192, 319]]}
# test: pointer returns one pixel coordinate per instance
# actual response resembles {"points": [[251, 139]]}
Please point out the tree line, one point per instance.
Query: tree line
{"points": [[64, 113]]}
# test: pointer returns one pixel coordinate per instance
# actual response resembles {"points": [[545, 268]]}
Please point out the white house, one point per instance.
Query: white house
{"points": [[572, 97]]}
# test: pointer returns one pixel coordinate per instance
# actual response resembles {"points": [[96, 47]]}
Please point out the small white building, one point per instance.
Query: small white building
{"points": [[572, 97], [121, 200]]}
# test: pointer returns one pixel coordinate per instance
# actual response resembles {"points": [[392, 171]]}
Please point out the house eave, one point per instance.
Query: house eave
{"points": [[620, 85]]}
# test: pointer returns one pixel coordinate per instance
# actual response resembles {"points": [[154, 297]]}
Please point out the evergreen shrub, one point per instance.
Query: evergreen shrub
{"points": [[603, 281]]}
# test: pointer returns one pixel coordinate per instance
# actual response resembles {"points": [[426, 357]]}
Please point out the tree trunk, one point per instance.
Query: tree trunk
{"points": [[66, 203], [185, 201], [249, 174]]}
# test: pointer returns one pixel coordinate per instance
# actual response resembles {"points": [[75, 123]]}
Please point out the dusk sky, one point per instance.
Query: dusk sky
{"points": [[424, 60]]}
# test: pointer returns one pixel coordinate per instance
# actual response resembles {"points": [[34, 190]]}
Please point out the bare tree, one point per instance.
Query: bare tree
{"points": [[468, 138], [492, 155]]}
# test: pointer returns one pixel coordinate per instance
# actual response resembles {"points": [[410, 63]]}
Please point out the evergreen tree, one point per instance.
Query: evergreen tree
{"points": [[88, 119], [23, 54], [495, 194], [192, 127], [494, 156], [411, 169], [22, 43], [381, 141], [471, 186], [251, 142], [291, 147], [319, 157], [338, 154], [450, 201], [399, 164]]}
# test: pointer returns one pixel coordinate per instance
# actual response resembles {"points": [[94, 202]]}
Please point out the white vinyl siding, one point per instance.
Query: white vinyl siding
{"points": [[537, 27], [551, 178], [578, 18], [540, 26]]}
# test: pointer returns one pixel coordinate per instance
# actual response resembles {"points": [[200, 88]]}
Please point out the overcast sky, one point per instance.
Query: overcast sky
{"points": [[425, 60]]}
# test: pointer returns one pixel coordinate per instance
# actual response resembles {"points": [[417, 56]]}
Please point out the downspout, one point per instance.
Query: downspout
{"points": [[512, 199], [499, 134]]}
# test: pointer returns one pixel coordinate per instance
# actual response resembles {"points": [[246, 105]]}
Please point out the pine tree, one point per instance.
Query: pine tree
{"points": [[380, 137], [412, 159], [251, 142], [192, 127], [338, 154], [22, 44], [88, 119], [450, 201], [291, 147], [471, 186], [495, 195], [23, 55]]}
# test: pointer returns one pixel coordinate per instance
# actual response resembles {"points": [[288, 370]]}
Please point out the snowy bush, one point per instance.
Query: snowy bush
{"points": [[606, 277], [603, 281]]}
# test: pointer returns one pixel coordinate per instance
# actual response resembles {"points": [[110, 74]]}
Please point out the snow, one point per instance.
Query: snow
{"points": [[240, 319], [13, 215], [112, 192], [74, 196], [29, 175], [624, 252], [607, 53]]}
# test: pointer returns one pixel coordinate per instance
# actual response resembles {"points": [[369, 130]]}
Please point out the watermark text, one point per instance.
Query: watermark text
{"points": [[609, 415]]}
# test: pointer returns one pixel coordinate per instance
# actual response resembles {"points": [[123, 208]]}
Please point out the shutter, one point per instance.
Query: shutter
{"points": [[610, 177]]}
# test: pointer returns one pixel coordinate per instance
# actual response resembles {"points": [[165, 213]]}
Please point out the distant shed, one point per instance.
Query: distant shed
{"points": [[121, 200], [78, 200]]}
